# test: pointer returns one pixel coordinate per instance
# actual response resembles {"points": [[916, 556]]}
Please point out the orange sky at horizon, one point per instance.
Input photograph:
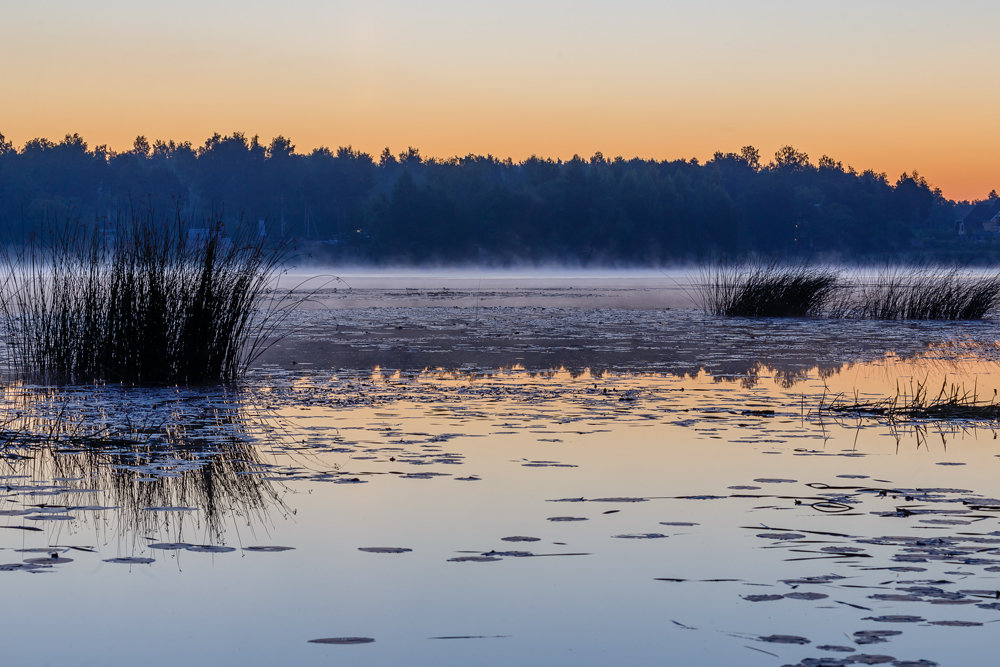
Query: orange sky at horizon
{"points": [[896, 87]]}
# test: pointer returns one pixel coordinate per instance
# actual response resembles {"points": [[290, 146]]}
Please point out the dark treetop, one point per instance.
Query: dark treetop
{"points": [[345, 205]]}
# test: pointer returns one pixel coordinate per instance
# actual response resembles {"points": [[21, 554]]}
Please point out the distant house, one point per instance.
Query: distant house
{"points": [[983, 219]]}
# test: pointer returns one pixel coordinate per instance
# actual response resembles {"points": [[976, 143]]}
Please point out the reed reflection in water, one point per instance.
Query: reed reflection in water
{"points": [[158, 457]]}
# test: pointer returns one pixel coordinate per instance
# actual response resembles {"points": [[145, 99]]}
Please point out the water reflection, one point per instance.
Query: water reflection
{"points": [[613, 340], [694, 500], [151, 458]]}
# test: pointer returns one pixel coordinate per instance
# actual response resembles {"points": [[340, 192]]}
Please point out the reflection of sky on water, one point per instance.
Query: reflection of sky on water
{"points": [[625, 330], [450, 463]]}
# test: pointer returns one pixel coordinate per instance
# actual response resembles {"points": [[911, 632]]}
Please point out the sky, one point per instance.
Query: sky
{"points": [[888, 85]]}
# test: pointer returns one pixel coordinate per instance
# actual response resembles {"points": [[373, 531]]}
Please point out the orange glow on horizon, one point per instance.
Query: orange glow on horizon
{"points": [[890, 86]]}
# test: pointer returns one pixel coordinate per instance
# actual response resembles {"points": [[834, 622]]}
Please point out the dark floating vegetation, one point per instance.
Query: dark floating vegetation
{"points": [[151, 304], [342, 640], [895, 293]]}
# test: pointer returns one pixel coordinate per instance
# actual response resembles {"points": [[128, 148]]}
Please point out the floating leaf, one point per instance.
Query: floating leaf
{"points": [[170, 545], [806, 595], [268, 548], [835, 648], [619, 500], [871, 659], [54, 559], [385, 550], [471, 637], [955, 624], [784, 639], [781, 536], [895, 597], [342, 640], [131, 560]]}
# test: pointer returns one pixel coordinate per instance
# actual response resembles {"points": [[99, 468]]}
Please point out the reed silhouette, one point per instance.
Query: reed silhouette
{"points": [[151, 304]]}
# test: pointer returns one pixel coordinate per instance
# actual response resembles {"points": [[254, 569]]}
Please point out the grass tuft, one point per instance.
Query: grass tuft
{"points": [[149, 307], [922, 294], [766, 290]]}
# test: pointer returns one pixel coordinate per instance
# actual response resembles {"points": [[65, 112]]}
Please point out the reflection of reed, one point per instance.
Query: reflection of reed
{"points": [[919, 400], [141, 451]]}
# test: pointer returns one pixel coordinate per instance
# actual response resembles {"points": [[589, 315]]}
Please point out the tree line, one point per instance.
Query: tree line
{"points": [[347, 205]]}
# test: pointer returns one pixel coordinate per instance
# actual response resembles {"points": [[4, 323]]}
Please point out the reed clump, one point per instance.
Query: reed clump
{"points": [[921, 294], [766, 290], [150, 306]]}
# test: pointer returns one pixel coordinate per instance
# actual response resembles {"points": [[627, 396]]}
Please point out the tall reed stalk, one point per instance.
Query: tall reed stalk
{"points": [[148, 307]]}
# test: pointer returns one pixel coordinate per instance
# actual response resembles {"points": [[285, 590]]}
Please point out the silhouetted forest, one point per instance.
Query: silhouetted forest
{"points": [[346, 205]]}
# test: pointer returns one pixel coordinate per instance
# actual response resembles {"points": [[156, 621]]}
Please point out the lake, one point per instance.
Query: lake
{"points": [[492, 469]]}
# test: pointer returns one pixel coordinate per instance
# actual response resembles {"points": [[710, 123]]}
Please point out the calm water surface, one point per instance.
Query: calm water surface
{"points": [[488, 471]]}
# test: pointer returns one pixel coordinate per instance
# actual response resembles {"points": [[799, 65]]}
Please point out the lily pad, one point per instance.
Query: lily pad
{"points": [[784, 639], [874, 636], [956, 624], [210, 548], [806, 595], [871, 659], [58, 560], [170, 545]]}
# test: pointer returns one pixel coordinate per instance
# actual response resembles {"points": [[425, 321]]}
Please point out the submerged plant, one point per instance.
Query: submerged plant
{"points": [[766, 290], [152, 306]]}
